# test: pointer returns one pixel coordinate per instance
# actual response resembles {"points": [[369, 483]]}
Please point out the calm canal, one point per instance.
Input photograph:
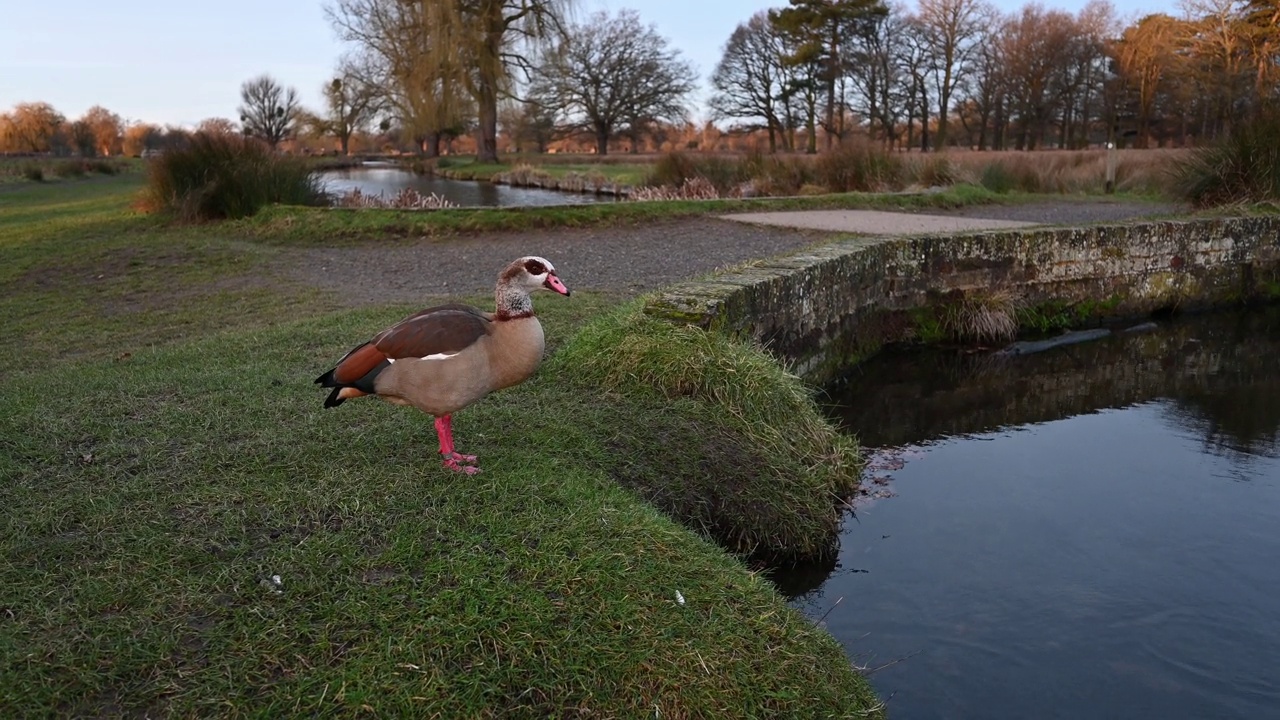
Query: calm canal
{"points": [[387, 179], [1088, 532]]}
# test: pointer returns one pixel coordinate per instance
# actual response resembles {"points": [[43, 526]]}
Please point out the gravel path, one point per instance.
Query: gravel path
{"points": [[627, 260]]}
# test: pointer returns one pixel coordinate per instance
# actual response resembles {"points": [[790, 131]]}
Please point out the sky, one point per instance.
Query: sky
{"points": [[151, 61]]}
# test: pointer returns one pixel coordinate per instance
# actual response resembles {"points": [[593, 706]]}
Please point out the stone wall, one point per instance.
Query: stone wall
{"points": [[822, 309]]}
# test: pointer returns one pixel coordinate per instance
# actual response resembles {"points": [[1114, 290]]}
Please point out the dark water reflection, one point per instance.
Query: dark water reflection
{"points": [[388, 179], [1093, 531]]}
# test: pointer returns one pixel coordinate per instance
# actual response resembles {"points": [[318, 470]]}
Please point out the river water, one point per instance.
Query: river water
{"points": [[387, 179], [1088, 532]]}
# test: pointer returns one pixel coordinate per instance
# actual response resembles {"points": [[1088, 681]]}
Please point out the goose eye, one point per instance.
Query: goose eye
{"points": [[534, 267]]}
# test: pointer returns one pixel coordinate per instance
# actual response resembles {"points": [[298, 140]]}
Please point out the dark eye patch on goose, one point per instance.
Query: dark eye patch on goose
{"points": [[534, 267]]}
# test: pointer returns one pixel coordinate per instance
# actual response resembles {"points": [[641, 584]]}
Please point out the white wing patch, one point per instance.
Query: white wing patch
{"points": [[436, 356]]}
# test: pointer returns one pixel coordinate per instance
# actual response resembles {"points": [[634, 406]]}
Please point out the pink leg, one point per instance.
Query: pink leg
{"points": [[453, 460]]}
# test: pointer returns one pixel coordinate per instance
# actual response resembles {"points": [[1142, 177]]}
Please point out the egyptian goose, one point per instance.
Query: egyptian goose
{"points": [[444, 358]]}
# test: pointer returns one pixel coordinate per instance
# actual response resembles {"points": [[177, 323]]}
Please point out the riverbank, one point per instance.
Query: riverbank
{"points": [[187, 527]]}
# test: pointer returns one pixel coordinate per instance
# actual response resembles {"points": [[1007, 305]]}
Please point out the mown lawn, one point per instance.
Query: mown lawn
{"points": [[186, 532]]}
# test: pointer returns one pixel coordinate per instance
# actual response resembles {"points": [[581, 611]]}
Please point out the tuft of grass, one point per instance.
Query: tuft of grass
{"points": [[224, 176], [858, 165], [760, 469], [33, 172], [1242, 168], [973, 317], [71, 168], [726, 173], [997, 178]]}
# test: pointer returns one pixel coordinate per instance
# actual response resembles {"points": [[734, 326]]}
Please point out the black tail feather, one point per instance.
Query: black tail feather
{"points": [[333, 400]]}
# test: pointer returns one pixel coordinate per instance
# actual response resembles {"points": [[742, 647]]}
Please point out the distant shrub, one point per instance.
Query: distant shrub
{"points": [[1244, 167], [780, 174], [997, 178], [936, 171], [103, 167], [696, 188], [212, 177], [858, 166], [406, 199], [33, 171], [70, 168], [673, 169]]}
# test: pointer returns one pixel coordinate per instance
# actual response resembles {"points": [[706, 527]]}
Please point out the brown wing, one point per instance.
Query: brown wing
{"points": [[443, 329]]}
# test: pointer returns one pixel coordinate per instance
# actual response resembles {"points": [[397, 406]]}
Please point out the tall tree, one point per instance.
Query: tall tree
{"points": [[216, 126], [80, 135], [34, 127], [876, 53], [409, 53], [267, 109], [949, 28], [1263, 20], [613, 72], [749, 78], [351, 102], [106, 127], [1146, 56], [822, 30], [986, 84]]}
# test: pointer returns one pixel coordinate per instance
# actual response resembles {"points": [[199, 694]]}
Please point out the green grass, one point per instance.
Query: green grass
{"points": [[18, 170], [164, 460]]}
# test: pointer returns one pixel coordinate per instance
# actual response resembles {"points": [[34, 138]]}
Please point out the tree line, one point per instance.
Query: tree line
{"points": [[961, 72], [810, 73]]}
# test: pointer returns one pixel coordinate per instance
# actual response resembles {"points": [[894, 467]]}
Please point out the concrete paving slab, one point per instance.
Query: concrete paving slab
{"points": [[874, 222]]}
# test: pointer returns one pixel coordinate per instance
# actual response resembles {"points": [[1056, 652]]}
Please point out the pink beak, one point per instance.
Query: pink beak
{"points": [[553, 283]]}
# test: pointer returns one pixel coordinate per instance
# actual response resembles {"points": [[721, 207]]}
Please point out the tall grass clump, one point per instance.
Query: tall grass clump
{"points": [[997, 178], [674, 168], [215, 177], [748, 459], [1242, 168], [982, 317], [71, 168], [858, 166]]}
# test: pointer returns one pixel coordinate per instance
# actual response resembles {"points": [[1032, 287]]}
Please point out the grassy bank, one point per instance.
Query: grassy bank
{"points": [[305, 224], [167, 457]]}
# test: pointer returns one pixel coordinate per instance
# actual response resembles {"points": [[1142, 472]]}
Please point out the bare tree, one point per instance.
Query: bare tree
{"points": [[613, 73], [875, 53], [406, 55], [80, 135], [216, 126], [106, 127], [949, 28], [268, 110], [34, 127], [140, 137], [528, 121], [351, 103], [749, 78]]}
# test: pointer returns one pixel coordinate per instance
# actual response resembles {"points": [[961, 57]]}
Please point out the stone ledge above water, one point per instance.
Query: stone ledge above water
{"points": [[821, 308]]}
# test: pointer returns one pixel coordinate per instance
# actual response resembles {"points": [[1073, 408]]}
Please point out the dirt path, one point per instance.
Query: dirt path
{"points": [[627, 260]]}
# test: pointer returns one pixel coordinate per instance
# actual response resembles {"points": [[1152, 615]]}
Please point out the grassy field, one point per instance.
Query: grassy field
{"points": [[14, 170], [186, 532]]}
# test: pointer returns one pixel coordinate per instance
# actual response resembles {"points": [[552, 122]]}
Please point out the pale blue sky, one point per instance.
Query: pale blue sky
{"points": [[151, 61]]}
